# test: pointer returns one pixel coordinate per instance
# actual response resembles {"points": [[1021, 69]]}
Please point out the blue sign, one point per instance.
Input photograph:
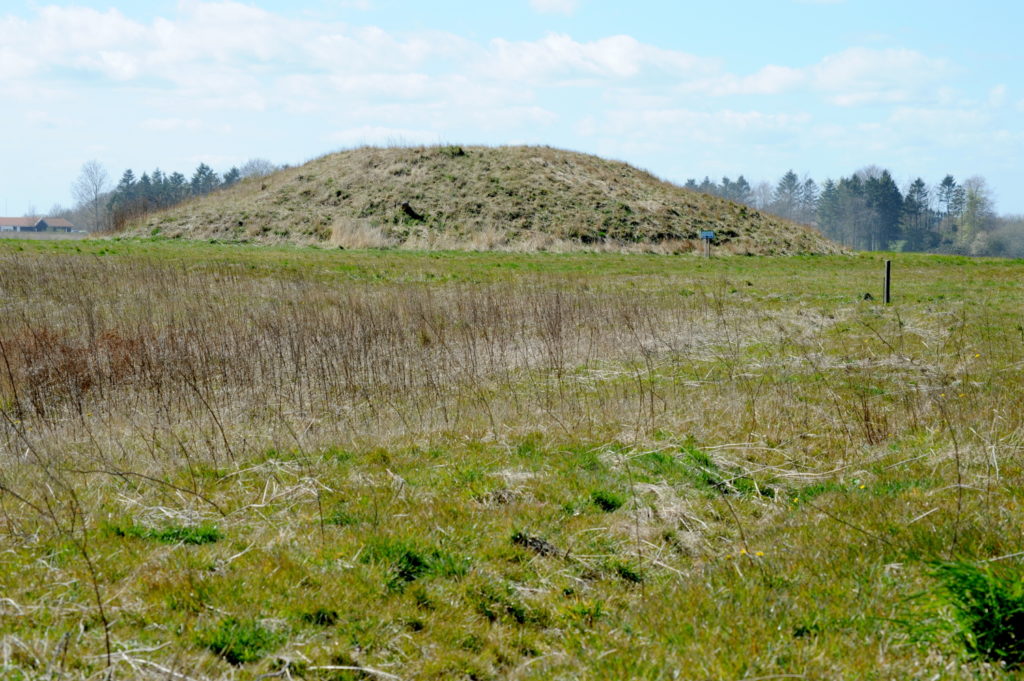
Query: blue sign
{"points": [[707, 234]]}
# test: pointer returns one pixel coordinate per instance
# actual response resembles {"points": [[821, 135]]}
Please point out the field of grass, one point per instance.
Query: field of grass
{"points": [[240, 462]]}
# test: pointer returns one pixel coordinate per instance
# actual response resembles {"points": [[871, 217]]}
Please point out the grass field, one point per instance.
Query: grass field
{"points": [[240, 462]]}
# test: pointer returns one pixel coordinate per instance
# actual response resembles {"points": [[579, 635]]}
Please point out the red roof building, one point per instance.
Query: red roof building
{"points": [[35, 225]]}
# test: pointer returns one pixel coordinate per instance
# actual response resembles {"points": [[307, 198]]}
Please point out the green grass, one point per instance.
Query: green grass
{"points": [[607, 501], [988, 609], [406, 562], [238, 641], [175, 534], [236, 461]]}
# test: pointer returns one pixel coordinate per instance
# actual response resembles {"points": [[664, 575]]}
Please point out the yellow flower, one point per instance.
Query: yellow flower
{"points": [[976, 355], [863, 486], [759, 553], [743, 552]]}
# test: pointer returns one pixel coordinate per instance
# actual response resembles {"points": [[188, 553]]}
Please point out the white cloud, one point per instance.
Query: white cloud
{"points": [[560, 56], [230, 54], [14, 63], [555, 6], [860, 75], [997, 96], [856, 76], [713, 127]]}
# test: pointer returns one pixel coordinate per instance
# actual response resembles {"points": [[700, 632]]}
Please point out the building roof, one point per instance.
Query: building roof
{"points": [[18, 222], [32, 222]]}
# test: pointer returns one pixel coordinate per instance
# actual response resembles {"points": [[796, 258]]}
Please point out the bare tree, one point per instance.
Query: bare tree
{"points": [[57, 210], [762, 198], [88, 190], [257, 167]]}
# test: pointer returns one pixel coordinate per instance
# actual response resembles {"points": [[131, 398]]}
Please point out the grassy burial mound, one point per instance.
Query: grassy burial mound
{"points": [[478, 198]]}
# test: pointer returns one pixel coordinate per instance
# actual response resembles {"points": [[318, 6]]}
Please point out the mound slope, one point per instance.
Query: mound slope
{"points": [[519, 198]]}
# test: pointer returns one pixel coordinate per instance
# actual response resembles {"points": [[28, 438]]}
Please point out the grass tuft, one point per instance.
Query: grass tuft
{"points": [[238, 641], [174, 534], [988, 609], [406, 562], [607, 501]]}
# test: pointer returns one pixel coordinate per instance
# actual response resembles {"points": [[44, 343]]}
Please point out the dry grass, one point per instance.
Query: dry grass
{"points": [[353, 233], [478, 198], [222, 463]]}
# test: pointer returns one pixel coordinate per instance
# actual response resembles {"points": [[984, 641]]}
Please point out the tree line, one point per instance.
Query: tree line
{"points": [[100, 207], [868, 211]]}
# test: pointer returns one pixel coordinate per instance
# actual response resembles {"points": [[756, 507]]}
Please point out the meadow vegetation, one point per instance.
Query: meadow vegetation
{"points": [[236, 462]]}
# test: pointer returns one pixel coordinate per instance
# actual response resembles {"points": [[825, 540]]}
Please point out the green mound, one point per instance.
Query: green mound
{"points": [[479, 198]]}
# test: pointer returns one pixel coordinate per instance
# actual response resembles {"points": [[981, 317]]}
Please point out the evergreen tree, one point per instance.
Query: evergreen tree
{"points": [[958, 201], [726, 189], [856, 217], [177, 188], [808, 209], [828, 211], [124, 194], [742, 190], [160, 189], [786, 198], [886, 202], [917, 219], [204, 180], [232, 176], [945, 193], [126, 186], [145, 193]]}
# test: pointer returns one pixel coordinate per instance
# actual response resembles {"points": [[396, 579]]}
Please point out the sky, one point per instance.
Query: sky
{"points": [[683, 89]]}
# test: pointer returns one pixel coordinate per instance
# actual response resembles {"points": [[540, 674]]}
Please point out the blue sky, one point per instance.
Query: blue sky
{"points": [[684, 89]]}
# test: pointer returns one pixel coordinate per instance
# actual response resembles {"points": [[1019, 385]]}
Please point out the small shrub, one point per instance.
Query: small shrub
{"points": [[453, 151], [238, 641], [988, 610], [607, 501]]}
